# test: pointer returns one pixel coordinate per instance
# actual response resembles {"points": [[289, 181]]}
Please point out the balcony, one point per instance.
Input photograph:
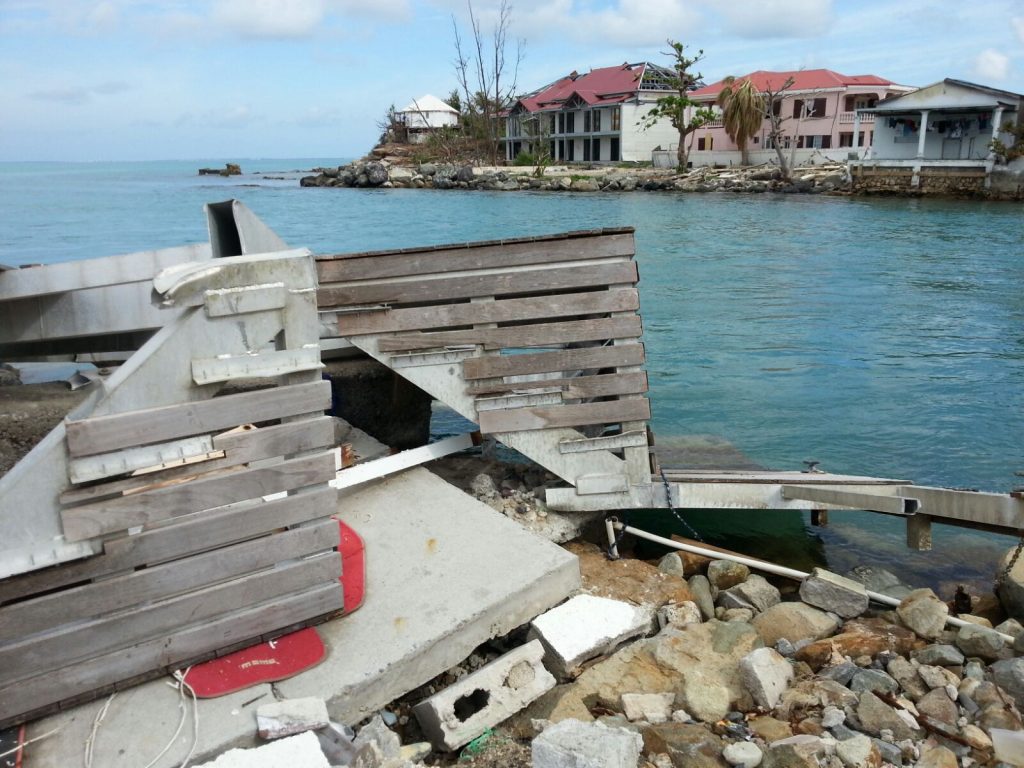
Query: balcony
{"points": [[848, 118]]}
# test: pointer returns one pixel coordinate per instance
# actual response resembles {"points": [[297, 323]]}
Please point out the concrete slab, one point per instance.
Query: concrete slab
{"points": [[444, 574]]}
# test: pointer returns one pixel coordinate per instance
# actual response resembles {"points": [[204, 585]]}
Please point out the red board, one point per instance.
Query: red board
{"points": [[289, 654]]}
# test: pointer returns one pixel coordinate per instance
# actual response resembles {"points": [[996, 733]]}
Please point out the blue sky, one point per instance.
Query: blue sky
{"points": [[168, 79]]}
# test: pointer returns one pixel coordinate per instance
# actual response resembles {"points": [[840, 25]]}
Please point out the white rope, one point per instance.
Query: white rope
{"points": [[97, 721], [29, 741], [181, 686]]}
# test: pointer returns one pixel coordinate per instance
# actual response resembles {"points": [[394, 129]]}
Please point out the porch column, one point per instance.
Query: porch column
{"points": [[924, 133], [997, 118], [856, 131]]}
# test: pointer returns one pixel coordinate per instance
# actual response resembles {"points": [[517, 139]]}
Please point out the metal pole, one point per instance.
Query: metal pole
{"points": [[609, 526], [761, 565]]}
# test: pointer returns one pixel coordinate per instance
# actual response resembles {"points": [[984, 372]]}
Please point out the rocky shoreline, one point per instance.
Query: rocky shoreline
{"points": [[385, 174], [687, 661]]}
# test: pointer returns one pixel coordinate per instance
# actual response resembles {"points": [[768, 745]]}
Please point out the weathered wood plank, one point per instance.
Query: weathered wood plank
{"points": [[580, 386], [634, 439], [44, 613], [550, 362], [533, 335], [156, 425], [146, 507], [162, 653], [212, 370], [526, 419], [70, 643], [500, 311], [555, 278], [241, 301], [239, 447], [101, 465], [191, 534], [375, 267]]}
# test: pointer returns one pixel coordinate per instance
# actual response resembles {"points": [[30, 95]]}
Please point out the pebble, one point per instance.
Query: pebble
{"points": [[743, 753]]}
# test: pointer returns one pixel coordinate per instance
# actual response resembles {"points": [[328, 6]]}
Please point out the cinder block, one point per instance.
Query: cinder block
{"points": [[460, 713], [586, 627]]}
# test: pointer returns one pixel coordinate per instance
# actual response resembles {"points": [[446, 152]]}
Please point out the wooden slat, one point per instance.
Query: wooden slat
{"points": [[550, 362], [69, 644], [533, 335], [231, 630], [119, 514], [375, 267], [239, 448], [526, 419], [500, 311], [574, 387], [212, 370], [156, 425], [555, 278], [190, 535], [44, 613]]}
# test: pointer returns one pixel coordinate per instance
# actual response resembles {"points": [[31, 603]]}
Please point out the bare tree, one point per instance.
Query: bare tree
{"points": [[487, 76], [773, 103]]}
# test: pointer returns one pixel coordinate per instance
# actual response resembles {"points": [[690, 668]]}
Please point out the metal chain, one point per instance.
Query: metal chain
{"points": [[668, 503], [1001, 576]]}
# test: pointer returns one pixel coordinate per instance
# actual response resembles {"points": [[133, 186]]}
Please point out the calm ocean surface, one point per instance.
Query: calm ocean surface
{"points": [[881, 336]]}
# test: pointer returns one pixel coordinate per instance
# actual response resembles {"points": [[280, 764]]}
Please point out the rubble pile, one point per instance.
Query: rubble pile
{"points": [[394, 172]]}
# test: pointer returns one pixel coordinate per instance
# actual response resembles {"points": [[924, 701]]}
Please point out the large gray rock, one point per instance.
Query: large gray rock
{"points": [[464, 174], [979, 641], [800, 751], [700, 588], [376, 173], [755, 593], [858, 752], [832, 592], [879, 580], [905, 673], [766, 675], [672, 564], [572, 744], [940, 655], [938, 706], [923, 612], [876, 716], [795, 622], [1009, 675], [873, 680]]}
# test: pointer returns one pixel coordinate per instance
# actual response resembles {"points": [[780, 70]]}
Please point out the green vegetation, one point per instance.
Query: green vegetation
{"points": [[743, 111], [1005, 153], [524, 158]]}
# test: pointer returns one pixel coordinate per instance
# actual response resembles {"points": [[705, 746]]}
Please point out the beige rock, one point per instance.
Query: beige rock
{"points": [[769, 728], [793, 622], [924, 613], [937, 757], [877, 716], [724, 574], [859, 638], [936, 704], [689, 746]]}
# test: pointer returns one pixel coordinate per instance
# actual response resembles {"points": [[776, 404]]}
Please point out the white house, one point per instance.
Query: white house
{"points": [[593, 117], [425, 114]]}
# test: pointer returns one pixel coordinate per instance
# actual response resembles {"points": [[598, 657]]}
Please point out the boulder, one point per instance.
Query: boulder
{"points": [[724, 574], [700, 588], [794, 622], [859, 752], [1008, 674], [860, 637], [687, 745], [876, 716], [924, 613], [672, 564], [572, 744], [755, 593], [766, 675], [873, 680], [648, 707], [769, 728], [585, 185], [937, 705], [879, 580], [937, 756], [679, 615], [802, 751], [940, 655], [905, 673], [464, 174], [813, 694], [743, 754], [831, 592], [979, 641], [376, 173]]}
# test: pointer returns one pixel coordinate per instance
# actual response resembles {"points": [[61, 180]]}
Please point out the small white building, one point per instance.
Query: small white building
{"points": [[425, 114]]}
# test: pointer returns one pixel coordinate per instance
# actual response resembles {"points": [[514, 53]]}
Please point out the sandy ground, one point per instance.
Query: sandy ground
{"points": [[28, 412]]}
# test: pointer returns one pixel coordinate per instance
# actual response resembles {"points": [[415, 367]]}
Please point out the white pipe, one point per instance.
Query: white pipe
{"points": [[761, 565], [609, 527]]}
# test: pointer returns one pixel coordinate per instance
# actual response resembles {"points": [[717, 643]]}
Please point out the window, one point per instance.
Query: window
{"points": [[561, 122], [705, 143], [595, 123], [586, 121], [551, 129], [561, 150], [551, 150], [570, 123], [814, 108], [571, 146], [613, 153], [595, 152], [815, 142], [846, 139], [616, 118], [586, 150]]}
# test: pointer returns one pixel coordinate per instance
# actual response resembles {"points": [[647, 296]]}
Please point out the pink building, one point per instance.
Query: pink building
{"points": [[818, 112]]}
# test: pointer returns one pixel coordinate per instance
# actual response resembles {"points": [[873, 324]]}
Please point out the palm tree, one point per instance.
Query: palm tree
{"points": [[743, 110]]}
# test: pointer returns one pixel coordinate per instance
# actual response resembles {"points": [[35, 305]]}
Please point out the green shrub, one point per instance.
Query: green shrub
{"points": [[524, 158]]}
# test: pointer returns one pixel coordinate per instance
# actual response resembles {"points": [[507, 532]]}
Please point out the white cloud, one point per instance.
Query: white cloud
{"points": [[274, 19], [763, 19], [990, 64], [1018, 24], [76, 94]]}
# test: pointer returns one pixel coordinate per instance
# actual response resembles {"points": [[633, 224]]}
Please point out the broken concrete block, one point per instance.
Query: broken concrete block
{"points": [[291, 716], [679, 614], [572, 744], [460, 713], [584, 628], [831, 592], [649, 707], [765, 674], [300, 751]]}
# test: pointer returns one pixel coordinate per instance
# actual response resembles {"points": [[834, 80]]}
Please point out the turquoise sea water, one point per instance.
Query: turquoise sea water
{"points": [[879, 336]]}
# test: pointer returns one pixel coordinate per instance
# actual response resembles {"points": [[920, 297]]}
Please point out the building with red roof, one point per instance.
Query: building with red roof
{"points": [[592, 117], [818, 111]]}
